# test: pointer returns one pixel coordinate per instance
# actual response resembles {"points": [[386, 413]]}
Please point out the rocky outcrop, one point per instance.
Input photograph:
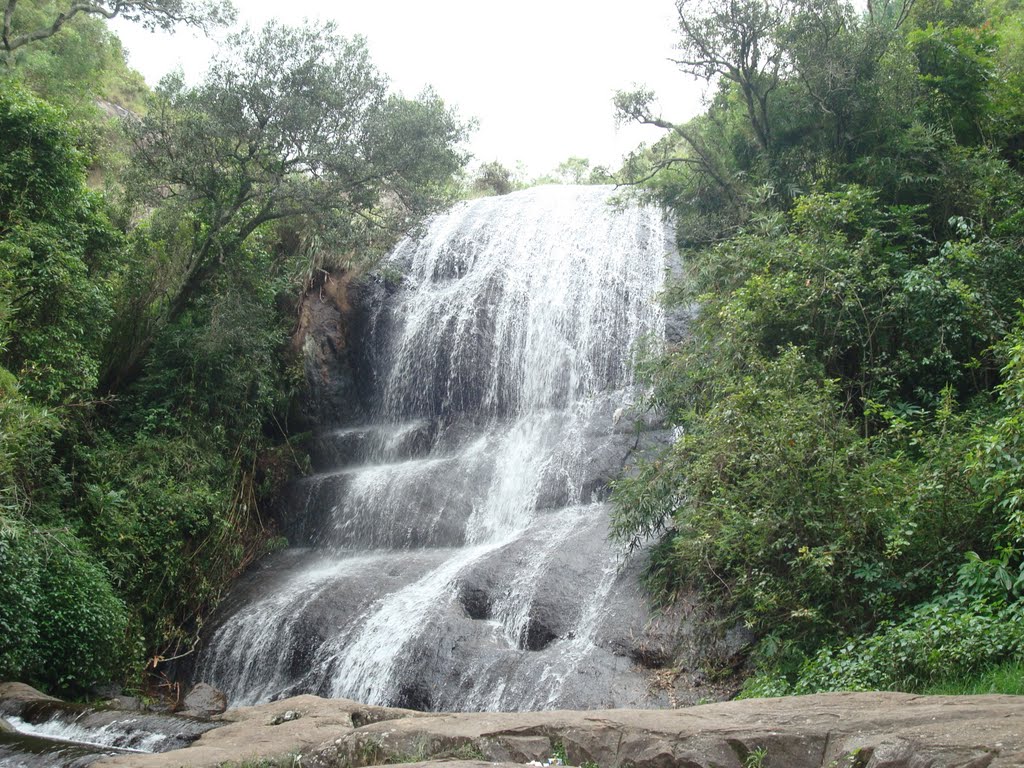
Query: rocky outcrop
{"points": [[323, 339], [851, 730]]}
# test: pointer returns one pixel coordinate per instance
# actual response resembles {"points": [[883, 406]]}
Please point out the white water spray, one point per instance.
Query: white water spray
{"points": [[510, 344]]}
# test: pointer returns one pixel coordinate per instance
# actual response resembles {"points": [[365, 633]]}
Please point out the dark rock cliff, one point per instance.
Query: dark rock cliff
{"points": [[323, 338]]}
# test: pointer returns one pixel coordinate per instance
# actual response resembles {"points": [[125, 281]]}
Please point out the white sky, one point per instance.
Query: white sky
{"points": [[538, 75]]}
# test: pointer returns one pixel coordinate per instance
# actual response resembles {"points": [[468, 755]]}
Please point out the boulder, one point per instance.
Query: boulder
{"points": [[203, 700], [6, 727], [15, 697], [19, 692], [126, 703]]}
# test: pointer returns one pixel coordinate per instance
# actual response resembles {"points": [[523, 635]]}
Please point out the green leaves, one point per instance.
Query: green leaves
{"points": [[61, 626], [997, 461], [291, 124], [19, 31], [955, 65], [957, 636], [57, 249], [818, 485]]}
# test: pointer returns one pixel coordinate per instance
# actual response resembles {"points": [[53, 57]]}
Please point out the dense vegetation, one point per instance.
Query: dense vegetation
{"points": [[149, 272], [848, 481]]}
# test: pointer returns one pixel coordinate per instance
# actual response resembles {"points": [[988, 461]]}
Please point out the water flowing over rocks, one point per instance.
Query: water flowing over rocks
{"points": [[45, 732], [852, 730], [451, 550]]}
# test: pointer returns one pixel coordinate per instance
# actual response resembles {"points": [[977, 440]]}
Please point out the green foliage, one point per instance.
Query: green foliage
{"points": [[56, 249], [1006, 678], [63, 626], [42, 20], [27, 435], [163, 514], [848, 399], [774, 504], [577, 170], [289, 761], [223, 361], [955, 65], [962, 634], [83, 627], [559, 754], [996, 460], [19, 596], [755, 758], [84, 62], [493, 178]]}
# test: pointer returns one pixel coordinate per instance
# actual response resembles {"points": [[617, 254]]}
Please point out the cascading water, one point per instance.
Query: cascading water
{"points": [[456, 553]]}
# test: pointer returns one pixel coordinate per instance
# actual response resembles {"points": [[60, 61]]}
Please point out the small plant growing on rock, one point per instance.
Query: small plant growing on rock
{"points": [[755, 758], [558, 752]]}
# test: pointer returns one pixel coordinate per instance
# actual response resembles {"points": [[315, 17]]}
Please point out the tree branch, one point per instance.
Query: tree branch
{"points": [[157, 12]]}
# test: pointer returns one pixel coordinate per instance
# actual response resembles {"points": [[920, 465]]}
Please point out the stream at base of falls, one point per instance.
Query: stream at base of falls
{"points": [[451, 552], [49, 733]]}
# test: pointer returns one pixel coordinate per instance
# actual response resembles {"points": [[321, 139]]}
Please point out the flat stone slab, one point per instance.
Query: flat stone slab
{"points": [[844, 730]]}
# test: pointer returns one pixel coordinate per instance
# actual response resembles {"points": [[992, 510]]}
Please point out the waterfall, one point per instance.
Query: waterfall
{"points": [[455, 554]]}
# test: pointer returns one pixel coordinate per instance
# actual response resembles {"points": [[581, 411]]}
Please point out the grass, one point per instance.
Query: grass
{"points": [[373, 753], [290, 761], [1007, 677]]}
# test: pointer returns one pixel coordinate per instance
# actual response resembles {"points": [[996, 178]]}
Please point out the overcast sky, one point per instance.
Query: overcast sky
{"points": [[538, 75]]}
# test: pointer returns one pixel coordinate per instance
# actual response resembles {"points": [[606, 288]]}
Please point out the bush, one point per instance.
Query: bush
{"points": [[83, 627], [797, 526], [958, 635], [61, 625], [173, 519], [19, 597], [57, 248]]}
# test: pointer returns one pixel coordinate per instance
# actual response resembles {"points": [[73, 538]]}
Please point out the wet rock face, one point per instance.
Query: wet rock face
{"points": [[328, 322], [475, 600], [471, 417]]}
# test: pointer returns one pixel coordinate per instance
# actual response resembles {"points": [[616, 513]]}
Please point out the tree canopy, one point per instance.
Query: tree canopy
{"points": [[849, 214], [22, 27], [288, 123]]}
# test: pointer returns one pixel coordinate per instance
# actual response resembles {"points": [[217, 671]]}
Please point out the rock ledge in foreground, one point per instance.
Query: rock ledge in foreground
{"points": [[846, 730]]}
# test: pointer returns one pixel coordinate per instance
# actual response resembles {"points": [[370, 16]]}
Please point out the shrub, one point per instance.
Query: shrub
{"points": [[83, 628], [959, 635], [19, 597], [61, 625]]}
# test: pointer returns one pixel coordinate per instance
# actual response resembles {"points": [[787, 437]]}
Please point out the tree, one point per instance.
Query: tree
{"points": [[701, 155], [801, 85], [574, 170], [57, 249], [290, 123], [153, 14], [736, 41], [731, 45], [493, 178]]}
